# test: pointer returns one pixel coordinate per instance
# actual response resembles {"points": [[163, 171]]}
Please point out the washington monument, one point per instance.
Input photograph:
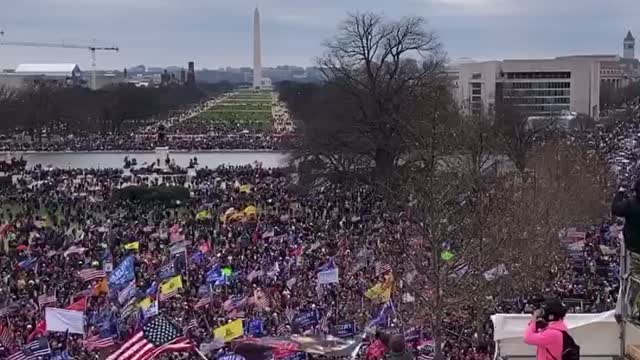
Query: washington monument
{"points": [[257, 54]]}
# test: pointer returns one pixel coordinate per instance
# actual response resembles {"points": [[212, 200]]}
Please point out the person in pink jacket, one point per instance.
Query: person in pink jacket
{"points": [[545, 330]]}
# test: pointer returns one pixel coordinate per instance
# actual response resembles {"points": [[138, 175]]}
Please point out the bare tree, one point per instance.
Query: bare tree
{"points": [[373, 67]]}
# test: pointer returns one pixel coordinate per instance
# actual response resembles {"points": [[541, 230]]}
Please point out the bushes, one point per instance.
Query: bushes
{"points": [[168, 195]]}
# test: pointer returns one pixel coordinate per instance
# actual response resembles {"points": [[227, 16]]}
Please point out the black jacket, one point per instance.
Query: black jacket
{"points": [[629, 209]]}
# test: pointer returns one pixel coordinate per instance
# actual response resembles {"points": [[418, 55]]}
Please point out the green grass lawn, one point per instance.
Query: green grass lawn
{"points": [[237, 116], [241, 107]]}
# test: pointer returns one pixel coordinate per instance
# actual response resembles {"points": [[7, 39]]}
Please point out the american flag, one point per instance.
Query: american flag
{"points": [[193, 324], [384, 269], [45, 299], [32, 350], [254, 274], [282, 330], [235, 313], [91, 274], [202, 302], [157, 337], [289, 313], [425, 356], [98, 342], [6, 338], [233, 303], [127, 292]]}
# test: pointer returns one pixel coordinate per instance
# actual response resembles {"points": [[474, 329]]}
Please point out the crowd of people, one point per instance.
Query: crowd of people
{"points": [[244, 245], [185, 130], [56, 223]]}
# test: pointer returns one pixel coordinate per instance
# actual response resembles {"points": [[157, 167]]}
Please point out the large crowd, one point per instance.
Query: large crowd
{"points": [[245, 245], [185, 130]]}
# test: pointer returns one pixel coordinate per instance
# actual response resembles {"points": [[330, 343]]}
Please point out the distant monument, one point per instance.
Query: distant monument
{"points": [[191, 75], [257, 51]]}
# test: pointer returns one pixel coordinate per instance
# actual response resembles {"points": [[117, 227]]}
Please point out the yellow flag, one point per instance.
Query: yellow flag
{"points": [[132, 246], [232, 330], [380, 293], [172, 285], [245, 188], [202, 215], [251, 211], [145, 303]]}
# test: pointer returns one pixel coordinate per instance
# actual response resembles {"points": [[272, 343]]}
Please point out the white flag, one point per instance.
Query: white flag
{"points": [[328, 276], [62, 320]]}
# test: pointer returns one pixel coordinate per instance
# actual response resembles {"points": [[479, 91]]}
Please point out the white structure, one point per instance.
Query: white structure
{"points": [[53, 74], [257, 51], [598, 335], [629, 47], [49, 70], [539, 87]]}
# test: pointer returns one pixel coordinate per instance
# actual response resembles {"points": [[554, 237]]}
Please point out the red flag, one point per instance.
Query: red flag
{"points": [[80, 305], [41, 326], [40, 329], [205, 247], [376, 350]]}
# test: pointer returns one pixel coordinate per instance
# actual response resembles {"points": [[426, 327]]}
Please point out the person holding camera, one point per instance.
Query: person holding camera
{"points": [[548, 332]]}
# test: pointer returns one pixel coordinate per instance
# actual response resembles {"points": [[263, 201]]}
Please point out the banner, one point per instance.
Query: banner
{"points": [[167, 270], [232, 330], [306, 319], [62, 320], [328, 276], [344, 330], [128, 292], [150, 311], [123, 274]]}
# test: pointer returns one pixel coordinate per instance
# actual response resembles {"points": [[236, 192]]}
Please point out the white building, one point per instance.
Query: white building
{"points": [[56, 74], [543, 86]]}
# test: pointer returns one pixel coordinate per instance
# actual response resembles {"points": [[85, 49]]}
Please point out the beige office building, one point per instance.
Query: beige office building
{"points": [[542, 86]]}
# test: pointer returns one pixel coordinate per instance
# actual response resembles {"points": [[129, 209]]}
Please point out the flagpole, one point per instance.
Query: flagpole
{"points": [[200, 353]]}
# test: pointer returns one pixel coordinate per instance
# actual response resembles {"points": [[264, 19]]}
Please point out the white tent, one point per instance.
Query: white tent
{"points": [[598, 335]]}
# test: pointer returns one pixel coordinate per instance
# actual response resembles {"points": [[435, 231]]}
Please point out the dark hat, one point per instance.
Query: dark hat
{"points": [[555, 307]]}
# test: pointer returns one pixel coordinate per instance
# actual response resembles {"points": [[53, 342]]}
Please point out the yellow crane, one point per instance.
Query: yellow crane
{"points": [[63, 45]]}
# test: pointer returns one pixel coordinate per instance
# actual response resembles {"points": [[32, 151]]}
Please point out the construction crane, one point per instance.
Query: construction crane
{"points": [[92, 49]]}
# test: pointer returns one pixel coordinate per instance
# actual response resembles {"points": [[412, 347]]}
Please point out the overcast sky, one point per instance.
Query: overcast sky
{"points": [[217, 33]]}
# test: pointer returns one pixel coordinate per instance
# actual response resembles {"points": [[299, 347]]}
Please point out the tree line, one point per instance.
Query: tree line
{"points": [[42, 110], [474, 194]]}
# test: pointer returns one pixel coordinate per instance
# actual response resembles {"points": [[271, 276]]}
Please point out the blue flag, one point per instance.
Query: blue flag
{"points": [[198, 257], [123, 274], [28, 263], [344, 330], [383, 316], [152, 290], [167, 271], [36, 348], [331, 264], [306, 319], [216, 276], [256, 327]]}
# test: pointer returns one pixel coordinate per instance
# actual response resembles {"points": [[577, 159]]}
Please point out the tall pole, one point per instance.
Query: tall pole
{"points": [[93, 69], [257, 51]]}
